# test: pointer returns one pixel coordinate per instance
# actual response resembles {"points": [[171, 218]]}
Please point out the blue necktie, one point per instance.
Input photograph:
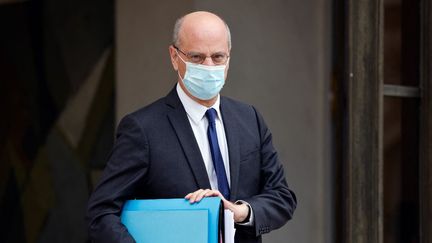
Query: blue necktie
{"points": [[216, 154]]}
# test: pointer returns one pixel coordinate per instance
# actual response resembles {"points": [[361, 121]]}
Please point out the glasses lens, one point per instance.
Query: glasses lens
{"points": [[196, 58], [199, 58], [219, 58]]}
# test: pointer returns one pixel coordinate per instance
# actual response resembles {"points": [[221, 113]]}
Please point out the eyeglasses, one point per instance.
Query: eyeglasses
{"points": [[218, 58]]}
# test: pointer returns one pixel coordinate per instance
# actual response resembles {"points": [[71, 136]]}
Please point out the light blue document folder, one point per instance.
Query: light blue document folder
{"points": [[173, 220]]}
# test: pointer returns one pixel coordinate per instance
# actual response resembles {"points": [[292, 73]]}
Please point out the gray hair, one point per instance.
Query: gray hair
{"points": [[178, 24]]}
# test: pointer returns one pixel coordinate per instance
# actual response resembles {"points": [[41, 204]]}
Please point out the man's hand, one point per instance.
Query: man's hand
{"points": [[240, 211]]}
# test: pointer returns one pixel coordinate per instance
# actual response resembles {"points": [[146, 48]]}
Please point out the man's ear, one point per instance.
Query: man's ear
{"points": [[173, 56]]}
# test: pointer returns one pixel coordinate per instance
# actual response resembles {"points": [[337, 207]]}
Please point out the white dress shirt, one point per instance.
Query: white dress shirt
{"points": [[198, 120]]}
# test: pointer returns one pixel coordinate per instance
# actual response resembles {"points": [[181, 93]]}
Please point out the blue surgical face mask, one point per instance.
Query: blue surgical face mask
{"points": [[202, 81]]}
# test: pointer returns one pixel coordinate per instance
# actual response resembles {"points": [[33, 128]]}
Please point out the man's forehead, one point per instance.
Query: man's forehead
{"points": [[203, 29], [203, 17]]}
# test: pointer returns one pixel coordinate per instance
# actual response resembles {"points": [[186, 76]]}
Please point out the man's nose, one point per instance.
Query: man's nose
{"points": [[208, 61]]}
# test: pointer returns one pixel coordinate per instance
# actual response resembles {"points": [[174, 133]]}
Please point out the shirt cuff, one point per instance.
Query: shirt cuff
{"points": [[249, 221]]}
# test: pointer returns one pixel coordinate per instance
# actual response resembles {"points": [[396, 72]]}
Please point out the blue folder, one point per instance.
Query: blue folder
{"points": [[174, 220]]}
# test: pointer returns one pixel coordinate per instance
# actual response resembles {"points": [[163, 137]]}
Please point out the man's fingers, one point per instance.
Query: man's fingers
{"points": [[201, 195], [227, 204], [196, 196]]}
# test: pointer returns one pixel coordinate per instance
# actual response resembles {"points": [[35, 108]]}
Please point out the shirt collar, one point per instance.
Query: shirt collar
{"points": [[195, 110]]}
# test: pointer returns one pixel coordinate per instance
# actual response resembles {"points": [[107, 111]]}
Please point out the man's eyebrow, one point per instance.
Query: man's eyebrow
{"points": [[200, 53], [195, 52]]}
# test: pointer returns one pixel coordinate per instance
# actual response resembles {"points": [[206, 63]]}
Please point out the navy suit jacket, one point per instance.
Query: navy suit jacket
{"points": [[156, 156]]}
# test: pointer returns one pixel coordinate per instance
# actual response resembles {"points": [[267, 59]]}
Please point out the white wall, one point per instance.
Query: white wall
{"points": [[279, 62]]}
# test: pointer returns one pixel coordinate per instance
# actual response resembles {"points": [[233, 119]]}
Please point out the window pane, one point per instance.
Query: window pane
{"points": [[401, 194]]}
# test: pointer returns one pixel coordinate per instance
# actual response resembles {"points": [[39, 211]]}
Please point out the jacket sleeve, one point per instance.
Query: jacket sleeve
{"points": [[275, 204], [126, 167]]}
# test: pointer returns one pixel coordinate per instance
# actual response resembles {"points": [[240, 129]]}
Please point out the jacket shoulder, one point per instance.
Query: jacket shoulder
{"points": [[235, 103], [238, 107], [150, 114]]}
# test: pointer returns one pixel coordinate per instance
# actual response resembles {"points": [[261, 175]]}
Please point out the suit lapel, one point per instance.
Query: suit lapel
{"points": [[231, 133], [179, 121]]}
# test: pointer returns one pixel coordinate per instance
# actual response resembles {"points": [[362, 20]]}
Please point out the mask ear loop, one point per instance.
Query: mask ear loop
{"points": [[178, 73], [180, 57], [179, 76]]}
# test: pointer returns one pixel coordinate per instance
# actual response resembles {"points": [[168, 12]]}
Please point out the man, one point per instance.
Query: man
{"points": [[193, 143]]}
